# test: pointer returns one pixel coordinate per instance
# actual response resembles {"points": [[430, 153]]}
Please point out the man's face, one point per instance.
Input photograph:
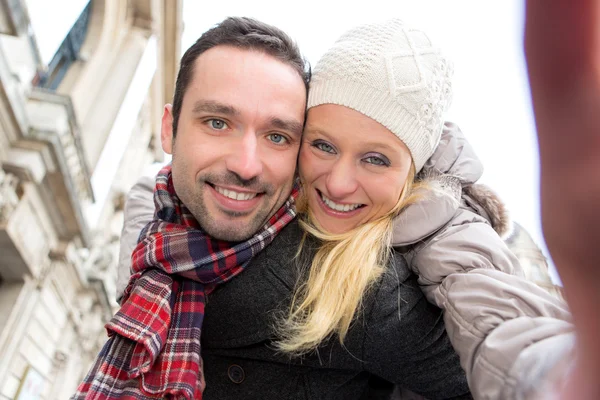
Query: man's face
{"points": [[237, 140]]}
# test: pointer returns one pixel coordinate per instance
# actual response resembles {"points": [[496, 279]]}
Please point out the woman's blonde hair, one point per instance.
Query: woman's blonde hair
{"points": [[344, 268]]}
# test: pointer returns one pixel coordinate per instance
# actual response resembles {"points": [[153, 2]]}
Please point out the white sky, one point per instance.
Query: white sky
{"points": [[483, 38]]}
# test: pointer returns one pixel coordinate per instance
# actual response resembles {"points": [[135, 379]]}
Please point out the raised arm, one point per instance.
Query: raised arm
{"points": [[562, 43]]}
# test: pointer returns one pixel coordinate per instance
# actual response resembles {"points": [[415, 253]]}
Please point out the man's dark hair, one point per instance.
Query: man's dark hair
{"points": [[244, 33]]}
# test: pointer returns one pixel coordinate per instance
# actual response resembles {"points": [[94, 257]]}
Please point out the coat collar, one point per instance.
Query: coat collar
{"points": [[450, 175]]}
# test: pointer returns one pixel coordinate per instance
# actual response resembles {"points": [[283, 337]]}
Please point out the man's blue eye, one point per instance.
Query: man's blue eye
{"points": [[217, 124], [277, 138]]}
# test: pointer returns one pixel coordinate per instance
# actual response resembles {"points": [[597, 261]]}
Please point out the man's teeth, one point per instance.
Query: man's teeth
{"points": [[339, 207], [235, 195]]}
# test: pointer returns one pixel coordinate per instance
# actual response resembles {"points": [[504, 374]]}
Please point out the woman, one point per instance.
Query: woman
{"points": [[377, 84], [352, 310]]}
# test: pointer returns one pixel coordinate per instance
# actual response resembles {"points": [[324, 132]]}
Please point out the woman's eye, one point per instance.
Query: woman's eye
{"points": [[217, 124], [376, 161], [277, 138], [327, 148]]}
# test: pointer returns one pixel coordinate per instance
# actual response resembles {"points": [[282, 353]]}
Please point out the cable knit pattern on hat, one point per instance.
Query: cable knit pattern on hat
{"points": [[392, 74]]}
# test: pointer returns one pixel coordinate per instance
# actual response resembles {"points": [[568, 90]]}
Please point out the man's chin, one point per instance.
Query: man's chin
{"points": [[228, 225], [232, 231], [232, 225]]}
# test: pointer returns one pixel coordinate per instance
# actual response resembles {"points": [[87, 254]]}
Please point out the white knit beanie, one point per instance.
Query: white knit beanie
{"points": [[392, 74]]}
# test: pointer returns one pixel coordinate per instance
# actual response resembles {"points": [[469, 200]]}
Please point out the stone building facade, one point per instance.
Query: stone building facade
{"points": [[75, 133]]}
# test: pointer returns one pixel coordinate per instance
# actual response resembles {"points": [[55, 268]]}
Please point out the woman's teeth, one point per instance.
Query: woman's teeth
{"points": [[339, 207]]}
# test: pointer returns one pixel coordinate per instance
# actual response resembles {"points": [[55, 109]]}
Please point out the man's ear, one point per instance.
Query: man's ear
{"points": [[166, 129]]}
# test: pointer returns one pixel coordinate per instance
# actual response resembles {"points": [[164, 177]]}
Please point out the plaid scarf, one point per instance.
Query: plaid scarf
{"points": [[153, 350]]}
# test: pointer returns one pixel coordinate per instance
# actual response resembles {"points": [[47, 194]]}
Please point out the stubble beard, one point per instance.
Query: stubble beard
{"points": [[225, 227]]}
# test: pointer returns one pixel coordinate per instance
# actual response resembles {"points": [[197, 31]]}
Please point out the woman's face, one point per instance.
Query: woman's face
{"points": [[353, 168]]}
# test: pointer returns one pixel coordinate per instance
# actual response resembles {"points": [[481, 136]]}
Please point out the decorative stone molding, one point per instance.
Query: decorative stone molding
{"points": [[9, 197], [60, 358], [54, 136], [12, 101], [25, 239], [15, 17], [43, 107], [89, 321]]}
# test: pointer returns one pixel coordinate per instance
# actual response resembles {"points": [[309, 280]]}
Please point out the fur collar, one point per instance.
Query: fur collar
{"points": [[489, 205]]}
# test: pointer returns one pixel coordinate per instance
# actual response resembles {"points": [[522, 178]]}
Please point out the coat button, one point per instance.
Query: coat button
{"points": [[236, 373]]}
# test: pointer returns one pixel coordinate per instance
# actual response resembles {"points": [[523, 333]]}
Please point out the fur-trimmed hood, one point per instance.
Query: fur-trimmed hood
{"points": [[451, 175]]}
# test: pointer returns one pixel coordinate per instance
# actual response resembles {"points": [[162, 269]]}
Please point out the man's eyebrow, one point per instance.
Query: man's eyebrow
{"points": [[291, 126], [209, 106]]}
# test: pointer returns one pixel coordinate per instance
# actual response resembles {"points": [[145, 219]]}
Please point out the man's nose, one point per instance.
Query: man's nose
{"points": [[244, 160]]}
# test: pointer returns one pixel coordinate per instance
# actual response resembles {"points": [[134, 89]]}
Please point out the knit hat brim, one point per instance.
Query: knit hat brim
{"points": [[378, 106]]}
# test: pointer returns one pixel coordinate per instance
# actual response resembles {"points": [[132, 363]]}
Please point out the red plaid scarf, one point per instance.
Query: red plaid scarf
{"points": [[153, 350]]}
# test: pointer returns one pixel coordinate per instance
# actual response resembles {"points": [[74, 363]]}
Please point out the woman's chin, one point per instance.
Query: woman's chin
{"points": [[333, 225]]}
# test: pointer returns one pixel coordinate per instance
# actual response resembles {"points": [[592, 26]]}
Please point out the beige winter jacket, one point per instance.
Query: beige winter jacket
{"points": [[139, 210], [507, 331]]}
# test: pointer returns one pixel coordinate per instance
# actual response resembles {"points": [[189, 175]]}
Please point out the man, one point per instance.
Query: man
{"points": [[234, 131]]}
